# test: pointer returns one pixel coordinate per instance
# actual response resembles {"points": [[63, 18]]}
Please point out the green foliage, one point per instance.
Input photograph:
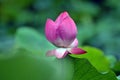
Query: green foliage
{"points": [[64, 68], [11, 8], [96, 57], [26, 66], [113, 3], [98, 25], [86, 30], [31, 40], [6, 44], [85, 71], [108, 35], [112, 60], [118, 77], [85, 8], [117, 66]]}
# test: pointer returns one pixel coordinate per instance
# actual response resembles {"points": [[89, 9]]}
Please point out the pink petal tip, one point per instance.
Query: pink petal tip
{"points": [[76, 51]]}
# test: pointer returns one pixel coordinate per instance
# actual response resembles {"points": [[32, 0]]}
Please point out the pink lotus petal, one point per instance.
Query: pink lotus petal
{"points": [[59, 53], [59, 42], [74, 44], [61, 17], [50, 30], [62, 32], [67, 31], [76, 51]]}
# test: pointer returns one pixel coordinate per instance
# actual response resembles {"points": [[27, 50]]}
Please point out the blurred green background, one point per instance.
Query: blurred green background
{"points": [[98, 23]]}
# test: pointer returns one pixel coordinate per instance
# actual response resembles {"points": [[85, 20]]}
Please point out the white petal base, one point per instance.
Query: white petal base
{"points": [[59, 53]]}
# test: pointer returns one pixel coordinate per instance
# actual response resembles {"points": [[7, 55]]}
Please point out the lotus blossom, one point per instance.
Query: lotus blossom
{"points": [[62, 33]]}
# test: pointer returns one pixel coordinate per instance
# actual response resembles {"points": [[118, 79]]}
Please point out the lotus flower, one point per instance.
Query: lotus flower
{"points": [[62, 33]]}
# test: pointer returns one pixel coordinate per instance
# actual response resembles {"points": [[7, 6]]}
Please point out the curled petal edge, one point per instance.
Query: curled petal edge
{"points": [[50, 30], [76, 51]]}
